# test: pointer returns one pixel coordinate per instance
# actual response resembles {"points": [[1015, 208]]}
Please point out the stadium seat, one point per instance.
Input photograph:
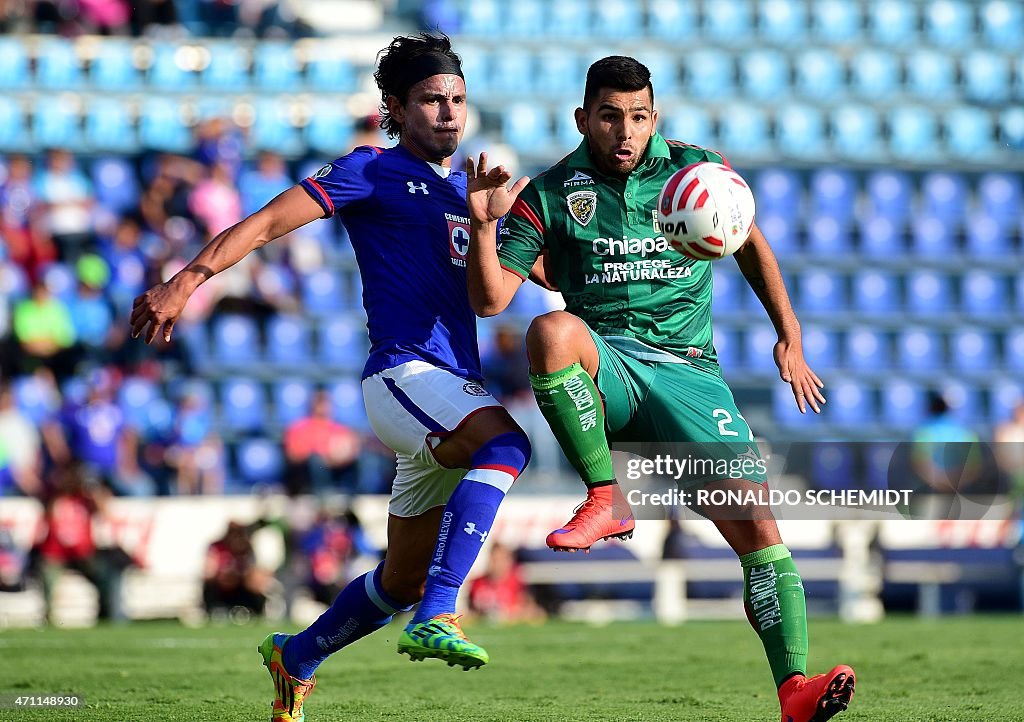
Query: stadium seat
{"points": [[273, 129], [243, 405], [781, 22], [161, 126], [525, 127], [1004, 396], [165, 73], [903, 403], [929, 293], [569, 19], [13, 130], [823, 292], [835, 21], [944, 196], [728, 21], [1013, 351], [876, 293], [1000, 196], [331, 74], [61, 280], [690, 125], [785, 411], [14, 283], [889, 194], [14, 64], [288, 342], [109, 127], [850, 404], [616, 19], [832, 463], [514, 74], [931, 75], [321, 293], [973, 351], [664, 69], [670, 19], [874, 74], [235, 340], [524, 19], [821, 348], [877, 458], [112, 66], [866, 349], [970, 134], [987, 238], [57, 66], [228, 67], [727, 347], [55, 122], [764, 74], [801, 131], [260, 461], [828, 238], [948, 23], [559, 72], [833, 193], [778, 191], [275, 67], [819, 73], [919, 349], [347, 403], [857, 133], [482, 18], [893, 22], [1002, 24], [964, 400], [744, 130], [342, 343], [710, 73], [759, 349], [134, 397], [933, 239], [986, 76], [329, 129], [115, 183], [780, 233], [983, 294], [292, 399], [34, 398], [914, 133]]}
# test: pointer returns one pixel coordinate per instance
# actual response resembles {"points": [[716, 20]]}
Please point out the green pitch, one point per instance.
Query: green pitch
{"points": [[908, 670]]}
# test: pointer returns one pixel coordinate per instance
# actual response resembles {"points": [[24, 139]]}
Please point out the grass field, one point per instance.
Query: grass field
{"points": [[950, 669]]}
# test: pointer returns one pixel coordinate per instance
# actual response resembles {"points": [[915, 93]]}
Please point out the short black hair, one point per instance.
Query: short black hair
{"points": [[392, 64], [617, 72]]}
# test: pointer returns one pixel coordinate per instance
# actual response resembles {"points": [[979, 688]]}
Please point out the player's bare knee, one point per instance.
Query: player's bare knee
{"points": [[553, 341]]}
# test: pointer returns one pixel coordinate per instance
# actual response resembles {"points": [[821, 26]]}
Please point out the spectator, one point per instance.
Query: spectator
{"points": [[500, 594], [320, 452], [196, 451], [215, 202], [506, 367], [67, 199], [263, 183], [44, 333], [231, 577], [942, 455], [19, 206], [1009, 442], [127, 264], [20, 449], [368, 132], [328, 547], [91, 313]]}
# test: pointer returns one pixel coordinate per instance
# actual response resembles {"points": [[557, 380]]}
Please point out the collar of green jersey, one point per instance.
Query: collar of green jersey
{"points": [[657, 148]]}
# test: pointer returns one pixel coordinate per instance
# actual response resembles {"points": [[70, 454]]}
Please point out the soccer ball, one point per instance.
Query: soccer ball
{"points": [[706, 211]]}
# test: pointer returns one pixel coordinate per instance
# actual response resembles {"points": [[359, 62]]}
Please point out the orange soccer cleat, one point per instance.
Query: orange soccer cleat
{"points": [[604, 515], [819, 698]]}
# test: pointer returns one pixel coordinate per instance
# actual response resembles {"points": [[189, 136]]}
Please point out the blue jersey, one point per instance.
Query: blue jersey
{"points": [[410, 231]]}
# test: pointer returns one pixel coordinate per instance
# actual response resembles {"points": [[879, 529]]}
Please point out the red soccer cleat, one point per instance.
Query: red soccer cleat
{"points": [[819, 698], [604, 515]]}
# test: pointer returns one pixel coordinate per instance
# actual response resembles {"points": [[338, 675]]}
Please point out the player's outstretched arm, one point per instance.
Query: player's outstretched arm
{"points": [[759, 266], [159, 307], [489, 198]]}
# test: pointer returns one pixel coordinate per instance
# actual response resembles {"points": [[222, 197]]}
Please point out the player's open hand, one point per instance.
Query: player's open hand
{"points": [[793, 369], [487, 193], [159, 308]]}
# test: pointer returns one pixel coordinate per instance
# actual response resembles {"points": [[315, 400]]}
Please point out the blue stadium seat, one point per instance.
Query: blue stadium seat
{"points": [[288, 342], [710, 73], [850, 404], [999, 195], [986, 76], [973, 351], [832, 463], [929, 293], [664, 69], [728, 21], [321, 293], [559, 71], [273, 129], [857, 132], [514, 73], [801, 131], [525, 127], [919, 349], [877, 458], [243, 405], [275, 67], [781, 22], [984, 294], [14, 283], [342, 343], [690, 125], [835, 21], [744, 130], [727, 347], [569, 19], [903, 403], [161, 126], [617, 19], [1002, 24], [61, 280], [829, 238], [949, 23], [235, 340], [34, 398], [134, 397], [331, 74], [964, 400], [347, 403], [987, 237], [57, 66], [109, 127], [14, 64], [726, 291], [821, 348], [914, 133], [944, 196], [228, 67], [779, 232], [823, 292], [165, 74], [115, 183], [833, 193], [13, 130], [482, 18], [476, 64], [819, 73], [931, 75], [55, 122], [893, 22], [112, 66], [933, 238], [890, 194], [970, 134], [876, 293], [329, 129], [759, 349], [292, 400], [874, 74], [260, 461], [669, 19], [778, 191], [867, 349], [1004, 396], [567, 135], [1013, 351], [785, 411], [524, 19]]}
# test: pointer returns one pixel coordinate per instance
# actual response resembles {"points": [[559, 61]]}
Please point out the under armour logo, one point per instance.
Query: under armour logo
{"points": [[434, 570], [471, 529], [418, 188]]}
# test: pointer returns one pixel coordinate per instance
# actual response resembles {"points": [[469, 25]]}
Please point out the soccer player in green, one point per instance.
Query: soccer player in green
{"points": [[636, 334]]}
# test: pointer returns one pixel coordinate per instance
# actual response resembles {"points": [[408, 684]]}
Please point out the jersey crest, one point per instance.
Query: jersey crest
{"points": [[582, 206]]}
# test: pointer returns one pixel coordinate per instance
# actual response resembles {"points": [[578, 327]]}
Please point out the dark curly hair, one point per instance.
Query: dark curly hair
{"points": [[393, 70]]}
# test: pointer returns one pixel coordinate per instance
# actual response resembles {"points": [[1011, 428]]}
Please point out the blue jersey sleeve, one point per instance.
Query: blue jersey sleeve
{"points": [[347, 180]]}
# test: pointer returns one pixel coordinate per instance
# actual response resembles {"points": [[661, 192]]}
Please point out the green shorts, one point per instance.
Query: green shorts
{"points": [[676, 407]]}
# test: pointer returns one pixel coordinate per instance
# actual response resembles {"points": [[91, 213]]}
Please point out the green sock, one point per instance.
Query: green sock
{"points": [[773, 596], [570, 402]]}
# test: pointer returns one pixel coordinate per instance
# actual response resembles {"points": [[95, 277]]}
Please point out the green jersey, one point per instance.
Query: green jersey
{"points": [[614, 267]]}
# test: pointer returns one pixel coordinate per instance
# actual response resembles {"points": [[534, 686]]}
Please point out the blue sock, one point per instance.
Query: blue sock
{"points": [[360, 608], [468, 517]]}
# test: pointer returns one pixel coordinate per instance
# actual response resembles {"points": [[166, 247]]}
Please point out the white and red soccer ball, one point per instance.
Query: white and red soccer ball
{"points": [[706, 211]]}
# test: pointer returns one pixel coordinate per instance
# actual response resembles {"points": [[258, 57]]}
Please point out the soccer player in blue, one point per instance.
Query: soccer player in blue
{"points": [[405, 211]]}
